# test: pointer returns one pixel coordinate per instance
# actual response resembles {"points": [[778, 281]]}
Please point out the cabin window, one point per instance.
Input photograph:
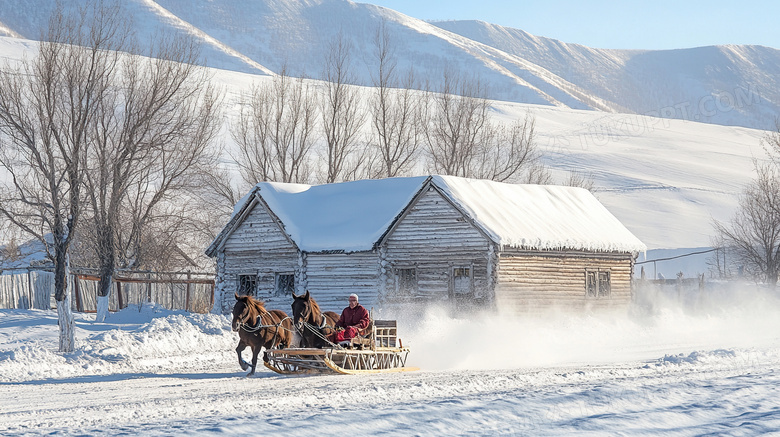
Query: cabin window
{"points": [[285, 284], [461, 280], [247, 284], [405, 282], [605, 287], [598, 284]]}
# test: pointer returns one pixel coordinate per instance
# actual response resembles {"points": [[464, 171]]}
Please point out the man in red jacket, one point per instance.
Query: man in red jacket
{"points": [[353, 320]]}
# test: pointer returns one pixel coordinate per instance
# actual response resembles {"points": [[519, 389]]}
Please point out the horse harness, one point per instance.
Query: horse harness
{"points": [[317, 330], [259, 325]]}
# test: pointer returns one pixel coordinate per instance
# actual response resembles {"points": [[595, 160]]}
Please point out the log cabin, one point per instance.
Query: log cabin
{"points": [[441, 239]]}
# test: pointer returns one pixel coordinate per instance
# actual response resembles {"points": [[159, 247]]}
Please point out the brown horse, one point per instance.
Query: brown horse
{"points": [[313, 324], [259, 328]]}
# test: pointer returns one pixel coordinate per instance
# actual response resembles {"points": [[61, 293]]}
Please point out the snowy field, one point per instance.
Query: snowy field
{"points": [[702, 364]]}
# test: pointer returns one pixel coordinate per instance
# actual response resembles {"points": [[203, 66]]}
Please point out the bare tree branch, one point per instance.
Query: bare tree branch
{"points": [[395, 113], [275, 132], [342, 115]]}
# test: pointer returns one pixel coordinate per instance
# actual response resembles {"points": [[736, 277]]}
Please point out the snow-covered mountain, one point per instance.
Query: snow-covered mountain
{"points": [[729, 85]]}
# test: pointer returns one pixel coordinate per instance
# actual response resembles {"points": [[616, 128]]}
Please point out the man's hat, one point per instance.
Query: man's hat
{"points": [[354, 295]]}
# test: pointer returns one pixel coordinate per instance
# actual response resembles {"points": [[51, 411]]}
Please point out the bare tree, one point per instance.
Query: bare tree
{"points": [[581, 180], [717, 260], [342, 116], [458, 122], [395, 110], [753, 235], [771, 144], [151, 137], [464, 141], [47, 106], [275, 132], [538, 174], [506, 154]]}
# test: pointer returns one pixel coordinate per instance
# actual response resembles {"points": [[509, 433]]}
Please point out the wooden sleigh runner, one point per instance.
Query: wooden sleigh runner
{"points": [[381, 351]]}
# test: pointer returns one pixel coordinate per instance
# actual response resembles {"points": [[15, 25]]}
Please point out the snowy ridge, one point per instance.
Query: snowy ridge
{"points": [[26, 19], [689, 84], [204, 37], [728, 85]]}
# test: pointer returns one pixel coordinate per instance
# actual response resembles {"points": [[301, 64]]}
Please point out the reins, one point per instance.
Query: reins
{"points": [[317, 330], [253, 329]]}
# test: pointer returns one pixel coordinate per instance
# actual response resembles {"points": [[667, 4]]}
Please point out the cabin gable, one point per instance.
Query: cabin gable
{"points": [[257, 258], [434, 251]]}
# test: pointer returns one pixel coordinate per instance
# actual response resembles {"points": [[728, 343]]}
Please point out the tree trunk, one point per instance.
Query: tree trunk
{"points": [[107, 262], [62, 294], [102, 308], [771, 278], [65, 320]]}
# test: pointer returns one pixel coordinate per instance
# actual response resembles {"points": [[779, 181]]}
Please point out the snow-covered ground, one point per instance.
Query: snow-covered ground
{"points": [[703, 363]]}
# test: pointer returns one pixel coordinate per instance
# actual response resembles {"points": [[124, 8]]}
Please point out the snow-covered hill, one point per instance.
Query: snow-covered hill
{"points": [[665, 179], [729, 85]]}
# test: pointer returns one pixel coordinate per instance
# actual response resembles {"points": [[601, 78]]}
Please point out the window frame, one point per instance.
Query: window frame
{"points": [[453, 274], [598, 284], [247, 278], [278, 291], [400, 290]]}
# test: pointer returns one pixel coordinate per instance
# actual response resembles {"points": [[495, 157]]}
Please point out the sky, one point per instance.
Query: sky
{"points": [[615, 24]]}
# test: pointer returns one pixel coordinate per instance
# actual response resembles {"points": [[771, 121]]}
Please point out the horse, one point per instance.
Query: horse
{"points": [[259, 328], [313, 324]]}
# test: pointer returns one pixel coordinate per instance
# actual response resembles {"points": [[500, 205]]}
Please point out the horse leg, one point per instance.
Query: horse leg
{"points": [[240, 348], [255, 352]]}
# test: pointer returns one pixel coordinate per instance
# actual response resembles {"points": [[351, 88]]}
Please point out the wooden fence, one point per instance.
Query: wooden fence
{"points": [[30, 289], [174, 291]]}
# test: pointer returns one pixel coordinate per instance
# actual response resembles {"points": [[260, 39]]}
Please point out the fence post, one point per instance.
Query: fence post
{"points": [[30, 291], [120, 299], [213, 286], [187, 295], [77, 293], [149, 287]]}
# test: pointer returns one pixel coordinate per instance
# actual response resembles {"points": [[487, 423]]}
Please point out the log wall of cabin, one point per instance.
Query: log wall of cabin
{"points": [[332, 277], [433, 237], [534, 280], [256, 247]]}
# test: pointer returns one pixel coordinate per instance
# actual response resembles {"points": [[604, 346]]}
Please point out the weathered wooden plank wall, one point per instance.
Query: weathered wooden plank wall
{"points": [[332, 277], [529, 281]]}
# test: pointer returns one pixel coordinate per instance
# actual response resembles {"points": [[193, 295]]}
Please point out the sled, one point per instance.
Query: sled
{"points": [[380, 352]]}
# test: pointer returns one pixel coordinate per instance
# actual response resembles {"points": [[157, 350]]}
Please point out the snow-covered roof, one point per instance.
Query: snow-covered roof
{"points": [[539, 216], [353, 216], [348, 216]]}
